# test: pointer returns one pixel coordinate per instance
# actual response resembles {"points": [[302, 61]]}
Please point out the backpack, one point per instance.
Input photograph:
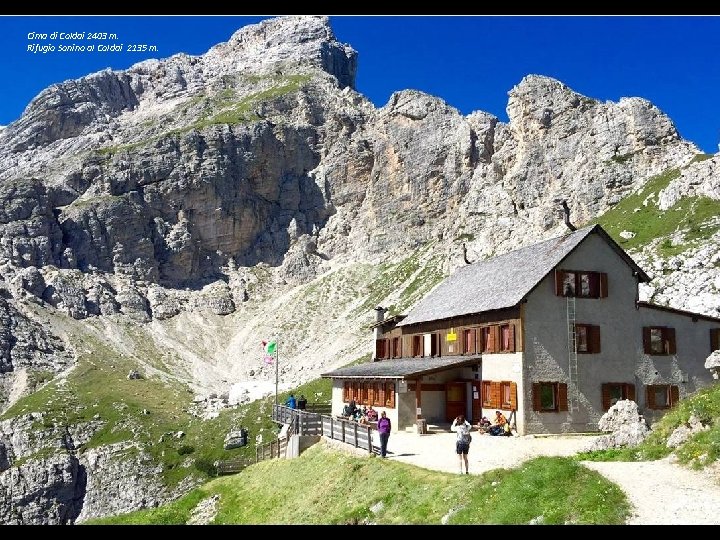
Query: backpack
{"points": [[467, 438]]}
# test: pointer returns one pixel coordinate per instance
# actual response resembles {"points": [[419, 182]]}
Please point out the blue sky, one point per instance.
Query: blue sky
{"points": [[471, 62]]}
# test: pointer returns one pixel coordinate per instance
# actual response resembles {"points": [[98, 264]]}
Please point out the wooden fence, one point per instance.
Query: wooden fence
{"points": [[273, 449], [304, 422]]}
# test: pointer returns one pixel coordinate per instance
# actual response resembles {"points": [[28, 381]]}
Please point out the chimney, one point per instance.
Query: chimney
{"points": [[380, 314], [566, 212]]}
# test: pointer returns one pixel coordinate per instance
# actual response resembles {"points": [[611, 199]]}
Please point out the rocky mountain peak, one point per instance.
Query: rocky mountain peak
{"points": [[290, 41]]}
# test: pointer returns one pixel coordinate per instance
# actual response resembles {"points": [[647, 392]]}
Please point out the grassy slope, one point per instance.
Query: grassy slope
{"points": [[325, 486], [700, 450], [98, 389], [638, 213]]}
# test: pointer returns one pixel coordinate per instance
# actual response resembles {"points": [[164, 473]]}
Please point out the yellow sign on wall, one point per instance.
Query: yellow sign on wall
{"points": [[451, 335]]}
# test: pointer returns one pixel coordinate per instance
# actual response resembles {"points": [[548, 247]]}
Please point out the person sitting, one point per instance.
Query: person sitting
{"points": [[371, 414], [498, 428], [484, 424], [358, 415]]}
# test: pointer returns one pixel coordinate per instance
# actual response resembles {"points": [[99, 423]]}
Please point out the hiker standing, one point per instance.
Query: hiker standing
{"points": [[302, 402], [462, 443], [291, 402], [384, 426]]}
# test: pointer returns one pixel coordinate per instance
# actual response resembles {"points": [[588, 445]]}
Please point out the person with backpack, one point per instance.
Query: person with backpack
{"points": [[302, 402], [291, 402], [462, 443]]}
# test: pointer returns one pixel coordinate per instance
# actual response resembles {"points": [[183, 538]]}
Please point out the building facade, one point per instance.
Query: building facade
{"points": [[553, 332]]}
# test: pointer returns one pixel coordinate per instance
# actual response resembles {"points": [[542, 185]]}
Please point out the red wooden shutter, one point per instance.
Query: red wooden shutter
{"points": [[646, 339], [346, 391], [714, 339], [670, 333], [537, 405], [603, 285], [486, 394], [480, 340], [630, 390], [649, 397], [371, 394], [513, 396], [511, 331], [674, 395], [594, 339], [495, 395], [562, 397], [380, 348], [558, 283], [381, 395], [605, 393]]}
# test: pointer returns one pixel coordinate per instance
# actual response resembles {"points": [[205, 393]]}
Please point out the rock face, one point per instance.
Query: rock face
{"points": [[216, 200]]}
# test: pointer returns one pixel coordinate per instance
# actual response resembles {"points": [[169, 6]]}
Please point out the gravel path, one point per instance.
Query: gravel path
{"points": [[661, 492], [664, 493]]}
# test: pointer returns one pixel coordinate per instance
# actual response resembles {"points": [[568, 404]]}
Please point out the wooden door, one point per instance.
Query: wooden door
{"points": [[454, 400]]}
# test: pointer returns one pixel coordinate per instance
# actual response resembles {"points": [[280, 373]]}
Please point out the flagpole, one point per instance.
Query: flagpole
{"points": [[276, 369]]}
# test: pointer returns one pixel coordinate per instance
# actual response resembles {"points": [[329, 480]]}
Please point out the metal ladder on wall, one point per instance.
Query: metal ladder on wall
{"points": [[573, 402]]}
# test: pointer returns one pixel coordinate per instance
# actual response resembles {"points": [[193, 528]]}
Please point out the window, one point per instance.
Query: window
{"points": [[714, 339], [499, 395], [417, 345], [489, 339], [370, 393], [469, 341], [381, 348], [568, 283], [430, 344], [396, 347], [659, 340], [614, 392], [582, 284], [587, 338], [661, 396], [549, 397], [507, 338], [390, 395]]}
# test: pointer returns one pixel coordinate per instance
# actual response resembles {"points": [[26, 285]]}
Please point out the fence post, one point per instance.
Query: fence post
{"points": [[342, 423], [356, 441]]}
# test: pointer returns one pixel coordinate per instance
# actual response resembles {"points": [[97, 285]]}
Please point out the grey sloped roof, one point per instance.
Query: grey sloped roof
{"points": [[502, 281], [400, 368]]}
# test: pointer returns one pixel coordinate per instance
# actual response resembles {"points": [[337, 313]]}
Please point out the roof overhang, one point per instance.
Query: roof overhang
{"points": [[403, 368]]}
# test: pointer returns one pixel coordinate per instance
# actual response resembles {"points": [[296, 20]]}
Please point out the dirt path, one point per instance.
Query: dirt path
{"points": [[664, 493], [661, 492]]}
